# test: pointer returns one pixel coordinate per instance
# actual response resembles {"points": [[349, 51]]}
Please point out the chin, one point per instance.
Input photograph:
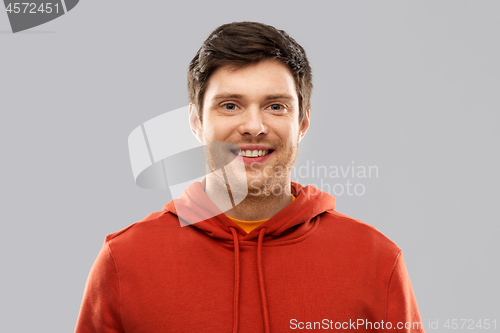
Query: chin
{"points": [[267, 187], [256, 186]]}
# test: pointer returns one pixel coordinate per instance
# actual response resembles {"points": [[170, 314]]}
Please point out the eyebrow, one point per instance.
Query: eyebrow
{"points": [[238, 96], [225, 95]]}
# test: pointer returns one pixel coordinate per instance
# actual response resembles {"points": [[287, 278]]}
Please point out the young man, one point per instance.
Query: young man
{"points": [[278, 260]]}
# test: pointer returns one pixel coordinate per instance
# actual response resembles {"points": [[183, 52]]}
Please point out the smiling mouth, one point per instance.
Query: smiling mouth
{"points": [[252, 153]]}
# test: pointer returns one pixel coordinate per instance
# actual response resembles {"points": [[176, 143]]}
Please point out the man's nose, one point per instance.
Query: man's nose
{"points": [[252, 122]]}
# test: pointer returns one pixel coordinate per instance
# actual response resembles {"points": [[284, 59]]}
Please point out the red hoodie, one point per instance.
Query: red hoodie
{"points": [[308, 267]]}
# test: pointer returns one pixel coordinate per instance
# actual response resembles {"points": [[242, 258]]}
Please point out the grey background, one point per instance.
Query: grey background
{"points": [[411, 87]]}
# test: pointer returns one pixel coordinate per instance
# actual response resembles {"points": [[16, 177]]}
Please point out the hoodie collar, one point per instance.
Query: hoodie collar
{"points": [[194, 206]]}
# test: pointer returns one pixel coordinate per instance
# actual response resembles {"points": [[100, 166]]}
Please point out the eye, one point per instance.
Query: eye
{"points": [[276, 107], [230, 106]]}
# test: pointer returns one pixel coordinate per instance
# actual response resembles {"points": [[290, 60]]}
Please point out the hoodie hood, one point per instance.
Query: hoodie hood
{"points": [[196, 207]]}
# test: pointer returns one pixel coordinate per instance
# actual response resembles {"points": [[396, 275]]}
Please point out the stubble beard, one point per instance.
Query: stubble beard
{"points": [[274, 180]]}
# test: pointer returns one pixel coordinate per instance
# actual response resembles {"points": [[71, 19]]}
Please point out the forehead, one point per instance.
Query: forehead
{"points": [[267, 77]]}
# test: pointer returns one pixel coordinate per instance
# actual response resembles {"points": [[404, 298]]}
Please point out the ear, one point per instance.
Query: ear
{"points": [[304, 126], [195, 123]]}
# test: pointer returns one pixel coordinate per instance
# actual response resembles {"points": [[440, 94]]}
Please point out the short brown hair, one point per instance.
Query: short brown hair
{"points": [[240, 44]]}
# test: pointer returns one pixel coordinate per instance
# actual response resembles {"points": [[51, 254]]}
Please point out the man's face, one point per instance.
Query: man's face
{"points": [[256, 108]]}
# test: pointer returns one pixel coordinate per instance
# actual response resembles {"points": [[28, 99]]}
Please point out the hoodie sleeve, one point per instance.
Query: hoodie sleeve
{"points": [[100, 309], [402, 310]]}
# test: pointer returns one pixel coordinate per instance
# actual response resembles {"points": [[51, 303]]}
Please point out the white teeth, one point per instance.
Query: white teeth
{"points": [[254, 153]]}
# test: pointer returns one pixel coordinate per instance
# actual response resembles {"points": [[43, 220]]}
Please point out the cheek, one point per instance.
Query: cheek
{"points": [[288, 133], [217, 130]]}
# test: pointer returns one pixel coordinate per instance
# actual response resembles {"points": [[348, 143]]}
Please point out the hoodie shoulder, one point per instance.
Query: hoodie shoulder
{"points": [[156, 219], [357, 231]]}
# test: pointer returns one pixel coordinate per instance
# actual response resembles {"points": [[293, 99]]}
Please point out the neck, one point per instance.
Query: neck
{"points": [[253, 207]]}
